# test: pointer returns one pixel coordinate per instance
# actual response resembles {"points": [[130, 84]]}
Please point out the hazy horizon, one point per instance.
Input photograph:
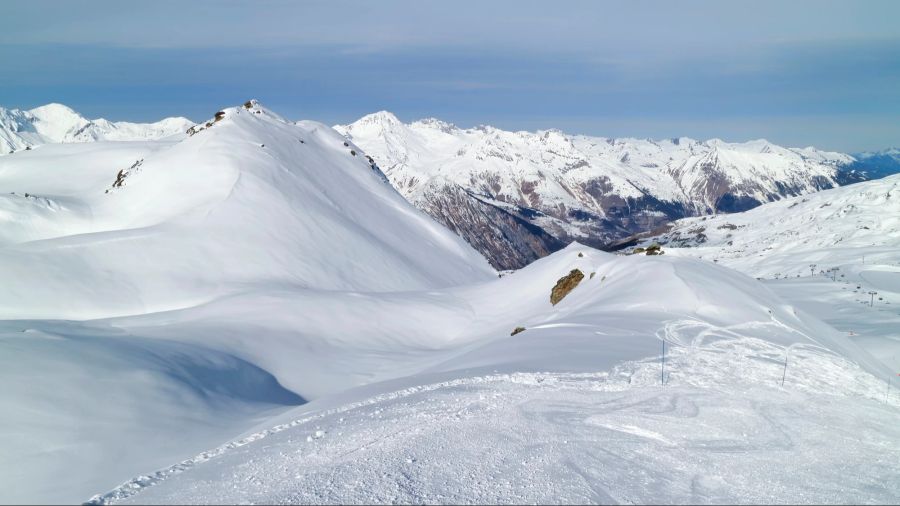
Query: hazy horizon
{"points": [[825, 74]]}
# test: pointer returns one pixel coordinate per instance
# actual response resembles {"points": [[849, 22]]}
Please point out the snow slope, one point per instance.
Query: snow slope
{"points": [[571, 409], [794, 244], [248, 207], [54, 123], [553, 438], [591, 189], [252, 199]]}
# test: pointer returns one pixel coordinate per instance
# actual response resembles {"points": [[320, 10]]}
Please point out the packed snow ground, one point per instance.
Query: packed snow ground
{"points": [[550, 438], [259, 282]]}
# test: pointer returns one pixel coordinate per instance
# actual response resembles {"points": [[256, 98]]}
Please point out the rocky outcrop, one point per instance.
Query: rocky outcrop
{"points": [[565, 285]]}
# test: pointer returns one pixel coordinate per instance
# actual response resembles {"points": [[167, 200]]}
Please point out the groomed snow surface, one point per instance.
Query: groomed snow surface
{"points": [[255, 315]]}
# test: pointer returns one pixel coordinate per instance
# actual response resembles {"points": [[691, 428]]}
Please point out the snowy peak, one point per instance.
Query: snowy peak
{"points": [[57, 123], [378, 122], [436, 124]]}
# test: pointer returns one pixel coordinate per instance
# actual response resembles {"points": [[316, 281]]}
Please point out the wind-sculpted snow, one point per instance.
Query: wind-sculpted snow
{"points": [[591, 189]]}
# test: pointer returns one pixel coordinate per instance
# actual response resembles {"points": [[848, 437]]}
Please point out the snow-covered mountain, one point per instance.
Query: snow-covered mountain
{"points": [[54, 123], [876, 164], [248, 183], [251, 312], [517, 195], [287, 225]]}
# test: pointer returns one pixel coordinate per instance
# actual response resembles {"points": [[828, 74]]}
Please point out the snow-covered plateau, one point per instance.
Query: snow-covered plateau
{"points": [[249, 312]]}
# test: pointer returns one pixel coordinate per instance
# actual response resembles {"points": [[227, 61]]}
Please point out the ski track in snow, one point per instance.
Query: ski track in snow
{"points": [[577, 437]]}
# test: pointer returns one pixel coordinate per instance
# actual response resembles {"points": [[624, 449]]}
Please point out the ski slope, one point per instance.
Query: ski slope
{"points": [[548, 438]]}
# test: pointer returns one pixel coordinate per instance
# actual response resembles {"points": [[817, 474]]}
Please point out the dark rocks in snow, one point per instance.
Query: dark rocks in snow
{"points": [[124, 173], [120, 178], [517, 330], [654, 249]]}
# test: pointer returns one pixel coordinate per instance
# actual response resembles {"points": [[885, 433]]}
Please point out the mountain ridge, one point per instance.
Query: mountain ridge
{"points": [[595, 190]]}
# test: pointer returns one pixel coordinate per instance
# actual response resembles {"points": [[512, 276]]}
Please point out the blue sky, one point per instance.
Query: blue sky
{"points": [[798, 73]]}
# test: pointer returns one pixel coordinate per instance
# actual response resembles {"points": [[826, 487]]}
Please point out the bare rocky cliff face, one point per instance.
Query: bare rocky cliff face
{"points": [[517, 196], [503, 233]]}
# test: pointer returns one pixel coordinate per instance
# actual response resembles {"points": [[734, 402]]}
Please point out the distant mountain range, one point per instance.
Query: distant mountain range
{"points": [[857, 224], [56, 123], [516, 196]]}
